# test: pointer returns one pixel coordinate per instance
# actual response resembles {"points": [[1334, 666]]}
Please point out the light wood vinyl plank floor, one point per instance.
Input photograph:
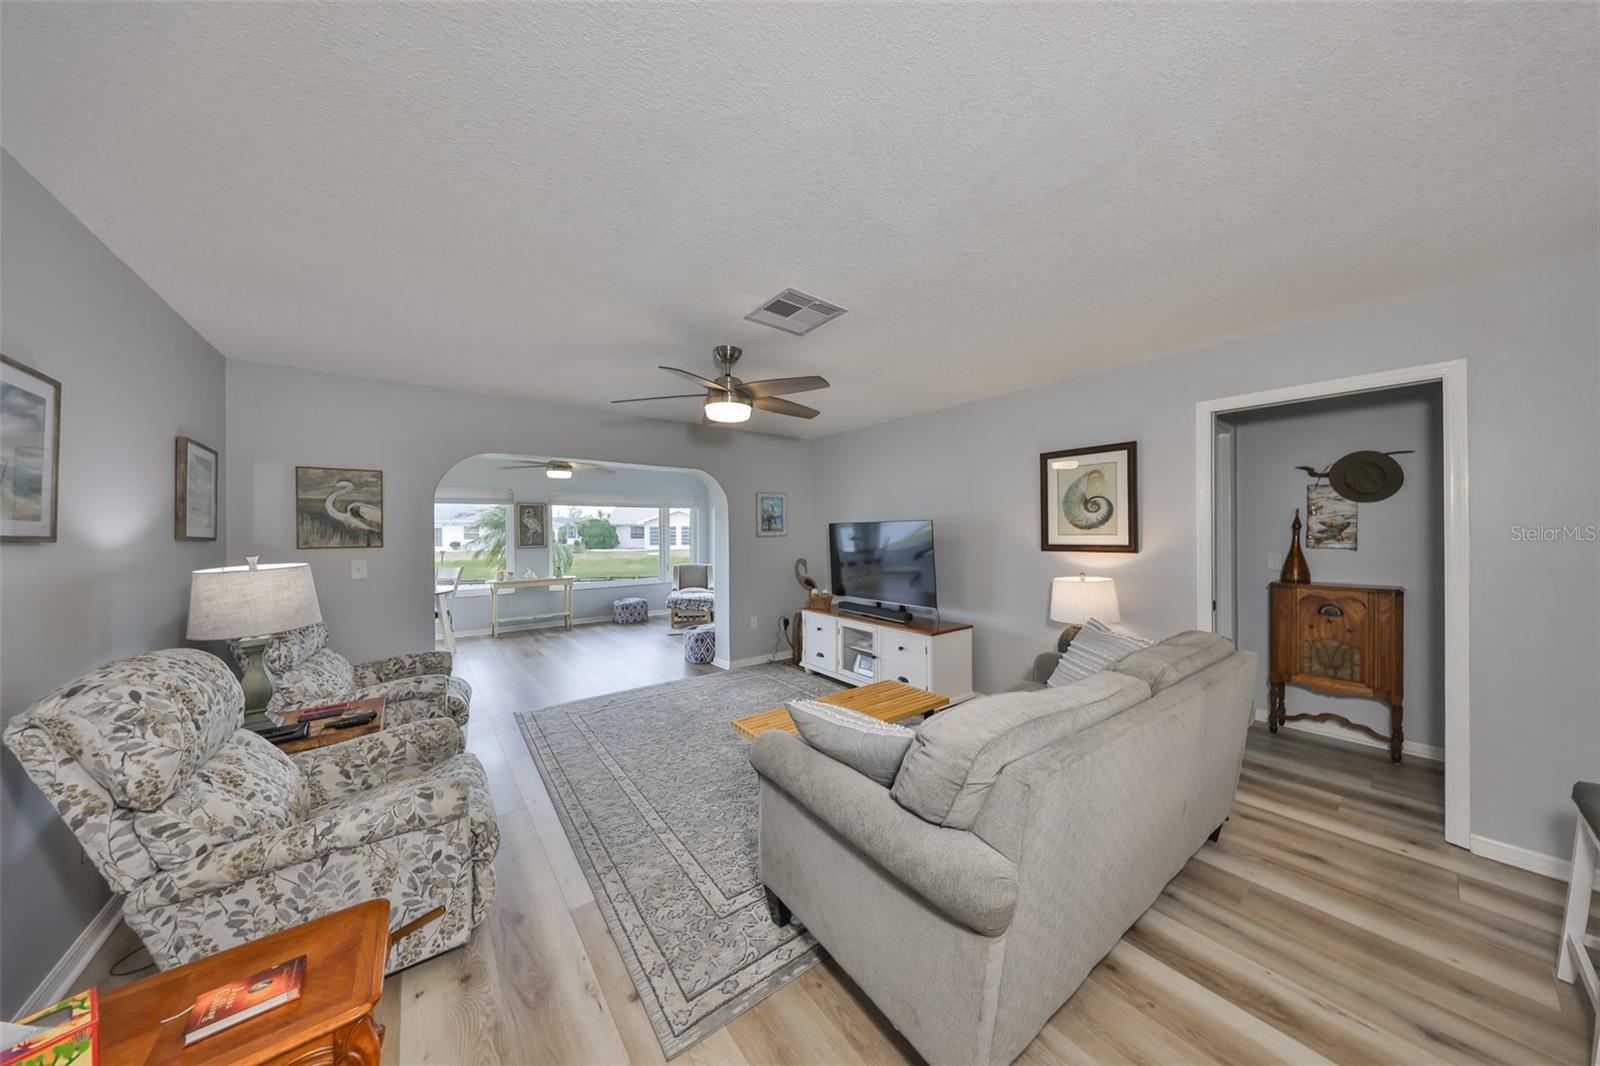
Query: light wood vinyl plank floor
{"points": [[1331, 923]]}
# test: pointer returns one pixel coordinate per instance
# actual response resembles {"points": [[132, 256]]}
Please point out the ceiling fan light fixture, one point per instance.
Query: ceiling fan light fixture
{"points": [[727, 407], [559, 471]]}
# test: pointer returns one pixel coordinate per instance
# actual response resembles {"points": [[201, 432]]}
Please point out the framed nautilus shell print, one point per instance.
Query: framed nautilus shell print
{"points": [[1089, 499]]}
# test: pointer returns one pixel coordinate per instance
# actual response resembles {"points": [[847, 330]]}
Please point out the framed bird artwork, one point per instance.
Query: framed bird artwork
{"points": [[336, 507]]}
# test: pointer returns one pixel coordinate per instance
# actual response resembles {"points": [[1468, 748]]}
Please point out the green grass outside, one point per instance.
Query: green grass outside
{"points": [[586, 566]]}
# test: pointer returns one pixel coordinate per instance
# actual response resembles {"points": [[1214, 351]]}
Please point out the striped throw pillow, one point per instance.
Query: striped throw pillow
{"points": [[1092, 650]]}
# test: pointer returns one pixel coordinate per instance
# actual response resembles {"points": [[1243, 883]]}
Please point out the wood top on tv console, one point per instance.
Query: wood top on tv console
{"points": [[916, 625]]}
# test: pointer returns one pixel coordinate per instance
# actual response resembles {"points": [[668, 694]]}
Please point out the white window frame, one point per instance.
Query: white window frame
{"points": [[480, 498], [664, 506]]}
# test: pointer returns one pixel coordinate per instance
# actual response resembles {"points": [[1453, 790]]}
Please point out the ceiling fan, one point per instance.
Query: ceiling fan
{"points": [[729, 400], [560, 469]]}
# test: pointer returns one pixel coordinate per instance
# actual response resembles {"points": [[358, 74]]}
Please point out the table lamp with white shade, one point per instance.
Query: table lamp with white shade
{"points": [[1075, 600], [250, 603]]}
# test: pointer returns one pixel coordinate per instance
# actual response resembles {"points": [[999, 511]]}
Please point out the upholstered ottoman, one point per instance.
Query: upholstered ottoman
{"points": [[630, 610], [688, 607], [700, 643]]}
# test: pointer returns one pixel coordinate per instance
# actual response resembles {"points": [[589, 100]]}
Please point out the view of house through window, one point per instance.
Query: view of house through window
{"points": [[471, 536], [612, 542]]}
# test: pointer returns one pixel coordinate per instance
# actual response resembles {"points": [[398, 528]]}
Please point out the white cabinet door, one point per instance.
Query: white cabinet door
{"points": [[820, 645], [904, 657]]}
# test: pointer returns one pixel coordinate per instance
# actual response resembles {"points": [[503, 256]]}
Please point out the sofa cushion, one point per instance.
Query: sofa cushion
{"points": [[246, 789], [1165, 664], [958, 753], [1094, 649], [866, 745], [288, 649], [140, 725], [325, 676]]}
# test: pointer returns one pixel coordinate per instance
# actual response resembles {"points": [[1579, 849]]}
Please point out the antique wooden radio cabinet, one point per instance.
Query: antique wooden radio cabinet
{"points": [[1340, 640]]}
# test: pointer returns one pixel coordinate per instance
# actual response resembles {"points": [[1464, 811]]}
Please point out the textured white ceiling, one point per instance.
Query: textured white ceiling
{"points": [[547, 200]]}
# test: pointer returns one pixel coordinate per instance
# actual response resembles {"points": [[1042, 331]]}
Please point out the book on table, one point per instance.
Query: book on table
{"points": [[222, 1008]]}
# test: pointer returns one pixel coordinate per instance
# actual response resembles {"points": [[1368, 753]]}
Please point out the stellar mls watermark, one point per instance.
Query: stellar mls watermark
{"points": [[1555, 534]]}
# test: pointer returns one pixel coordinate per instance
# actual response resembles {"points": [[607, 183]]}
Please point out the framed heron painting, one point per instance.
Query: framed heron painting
{"points": [[335, 507], [1089, 499]]}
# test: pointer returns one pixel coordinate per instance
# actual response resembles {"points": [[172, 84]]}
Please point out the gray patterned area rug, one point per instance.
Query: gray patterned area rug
{"points": [[660, 803]]}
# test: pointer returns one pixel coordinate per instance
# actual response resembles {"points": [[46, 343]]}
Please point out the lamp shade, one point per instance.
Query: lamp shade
{"points": [[1075, 600], [243, 601]]}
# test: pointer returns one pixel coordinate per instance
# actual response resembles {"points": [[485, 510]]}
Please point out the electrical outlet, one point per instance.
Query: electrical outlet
{"points": [[755, 622], [358, 569], [1274, 560]]}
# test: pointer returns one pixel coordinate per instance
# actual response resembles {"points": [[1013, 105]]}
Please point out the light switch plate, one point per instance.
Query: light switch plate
{"points": [[1274, 560], [358, 569]]}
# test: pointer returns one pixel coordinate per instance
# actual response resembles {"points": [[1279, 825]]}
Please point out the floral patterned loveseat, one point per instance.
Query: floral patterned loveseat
{"points": [[216, 837], [306, 672]]}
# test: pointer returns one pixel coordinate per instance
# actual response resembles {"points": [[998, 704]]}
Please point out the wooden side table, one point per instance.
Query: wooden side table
{"points": [[331, 1022], [321, 736]]}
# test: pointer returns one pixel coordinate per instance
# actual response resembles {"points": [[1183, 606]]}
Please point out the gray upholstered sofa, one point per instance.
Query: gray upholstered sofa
{"points": [[969, 932], [216, 837], [306, 672]]}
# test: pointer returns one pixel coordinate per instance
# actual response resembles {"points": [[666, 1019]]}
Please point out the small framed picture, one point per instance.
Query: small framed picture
{"points": [[30, 452], [338, 507], [195, 512], [771, 518], [531, 525], [1089, 499]]}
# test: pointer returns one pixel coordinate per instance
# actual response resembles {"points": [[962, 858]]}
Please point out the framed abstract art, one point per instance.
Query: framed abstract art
{"points": [[1089, 499], [195, 510], [30, 453]]}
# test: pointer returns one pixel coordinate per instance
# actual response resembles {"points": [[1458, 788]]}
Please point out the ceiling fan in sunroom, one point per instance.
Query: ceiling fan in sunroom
{"points": [[560, 469], [729, 400]]}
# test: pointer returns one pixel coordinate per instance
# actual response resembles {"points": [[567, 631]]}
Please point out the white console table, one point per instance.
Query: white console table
{"points": [[496, 587], [856, 650]]}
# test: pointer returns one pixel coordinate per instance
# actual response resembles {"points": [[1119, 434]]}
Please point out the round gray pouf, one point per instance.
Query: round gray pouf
{"points": [[630, 610], [700, 643]]}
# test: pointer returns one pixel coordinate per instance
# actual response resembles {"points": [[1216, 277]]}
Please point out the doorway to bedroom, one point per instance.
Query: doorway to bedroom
{"points": [[1332, 541]]}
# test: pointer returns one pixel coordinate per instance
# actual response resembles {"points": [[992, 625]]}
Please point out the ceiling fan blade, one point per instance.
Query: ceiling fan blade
{"points": [[590, 468], [784, 407], [704, 383], [523, 466], [782, 386], [679, 396]]}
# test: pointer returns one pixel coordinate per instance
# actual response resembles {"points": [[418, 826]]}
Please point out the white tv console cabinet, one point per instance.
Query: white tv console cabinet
{"points": [[859, 651]]}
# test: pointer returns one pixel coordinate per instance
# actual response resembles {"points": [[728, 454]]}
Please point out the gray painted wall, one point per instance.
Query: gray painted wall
{"points": [[279, 417], [471, 612], [133, 376], [1399, 540], [1532, 346]]}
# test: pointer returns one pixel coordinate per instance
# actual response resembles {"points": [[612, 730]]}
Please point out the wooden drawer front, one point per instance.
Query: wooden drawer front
{"points": [[821, 645], [904, 657], [1333, 634]]}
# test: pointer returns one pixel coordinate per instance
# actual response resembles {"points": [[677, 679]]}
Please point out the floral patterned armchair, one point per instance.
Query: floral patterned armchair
{"points": [[306, 672], [217, 838]]}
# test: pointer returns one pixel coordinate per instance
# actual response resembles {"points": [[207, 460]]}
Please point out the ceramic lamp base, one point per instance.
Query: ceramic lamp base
{"points": [[257, 684]]}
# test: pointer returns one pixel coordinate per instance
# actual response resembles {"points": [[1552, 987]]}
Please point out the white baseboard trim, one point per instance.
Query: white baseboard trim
{"points": [[543, 623], [62, 980], [754, 660], [1535, 862], [1333, 732]]}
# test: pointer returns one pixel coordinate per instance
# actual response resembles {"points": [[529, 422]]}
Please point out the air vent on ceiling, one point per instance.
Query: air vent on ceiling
{"points": [[794, 312]]}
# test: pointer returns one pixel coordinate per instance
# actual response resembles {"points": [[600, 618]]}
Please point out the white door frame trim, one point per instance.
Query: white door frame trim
{"points": [[1452, 377]]}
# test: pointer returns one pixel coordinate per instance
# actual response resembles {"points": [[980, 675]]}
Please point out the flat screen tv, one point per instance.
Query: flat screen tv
{"points": [[885, 562]]}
